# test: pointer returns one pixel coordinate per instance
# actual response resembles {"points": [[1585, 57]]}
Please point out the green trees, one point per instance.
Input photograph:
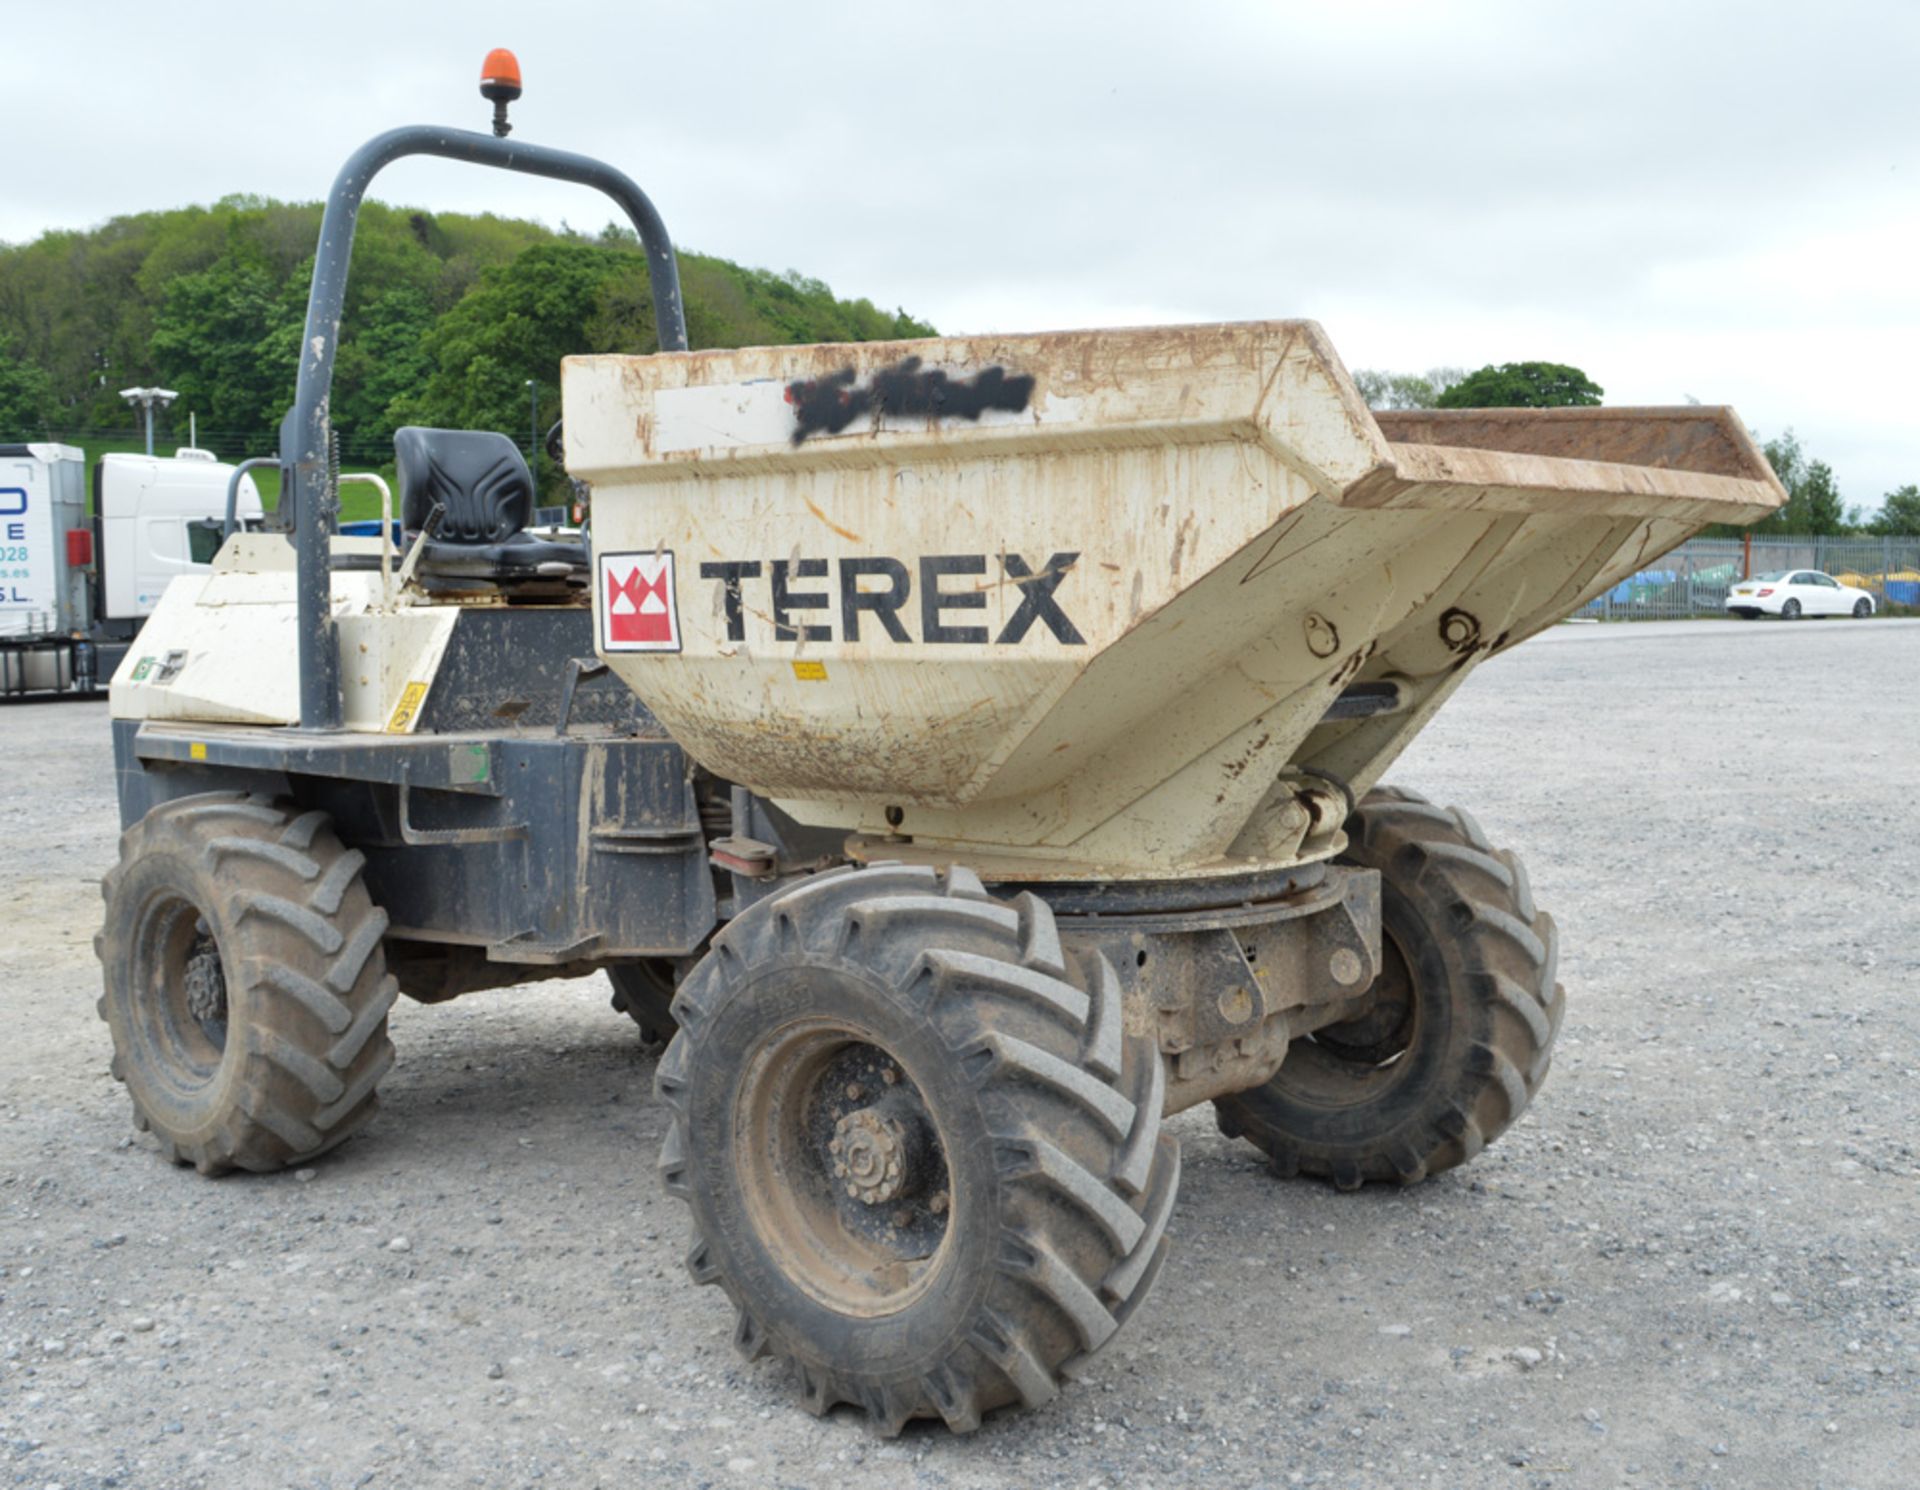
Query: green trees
{"points": [[447, 317], [1512, 385], [26, 395], [1813, 501], [384, 363], [1899, 517], [1522, 385], [517, 322], [1391, 390], [561, 298], [226, 338]]}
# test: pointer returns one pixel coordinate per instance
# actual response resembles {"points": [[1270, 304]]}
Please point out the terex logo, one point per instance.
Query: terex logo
{"points": [[878, 592], [637, 604]]}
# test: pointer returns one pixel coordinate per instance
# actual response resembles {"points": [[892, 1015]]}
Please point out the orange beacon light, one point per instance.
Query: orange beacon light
{"points": [[500, 83]]}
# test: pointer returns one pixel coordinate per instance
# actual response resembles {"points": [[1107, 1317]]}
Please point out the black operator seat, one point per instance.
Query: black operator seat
{"points": [[481, 479]]}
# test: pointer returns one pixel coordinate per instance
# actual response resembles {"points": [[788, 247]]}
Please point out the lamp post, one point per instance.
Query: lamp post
{"points": [[145, 399], [533, 434]]}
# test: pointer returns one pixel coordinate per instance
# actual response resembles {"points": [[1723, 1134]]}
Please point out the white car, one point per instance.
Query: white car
{"points": [[1792, 593]]}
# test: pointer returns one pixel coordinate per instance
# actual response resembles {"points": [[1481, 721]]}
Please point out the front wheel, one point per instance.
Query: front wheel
{"points": [[246, 989], [1862, 608], [922, 1152], [1460, 1032]]}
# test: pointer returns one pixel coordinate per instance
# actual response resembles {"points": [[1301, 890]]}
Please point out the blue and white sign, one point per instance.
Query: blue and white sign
{"points": [[29, 567]]}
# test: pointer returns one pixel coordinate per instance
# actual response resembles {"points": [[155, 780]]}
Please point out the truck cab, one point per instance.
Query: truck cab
{"points": [[156, 518]]}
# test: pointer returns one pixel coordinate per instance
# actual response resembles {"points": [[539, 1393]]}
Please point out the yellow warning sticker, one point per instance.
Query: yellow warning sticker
{"points": [[197, 750], [810, 672], [407, 710]]}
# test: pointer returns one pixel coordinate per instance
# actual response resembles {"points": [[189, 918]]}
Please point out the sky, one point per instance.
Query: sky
{"points": [[1686, 200]]}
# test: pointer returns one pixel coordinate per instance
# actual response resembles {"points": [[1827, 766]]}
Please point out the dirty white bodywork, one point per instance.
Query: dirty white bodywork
{"points": [[220, 646], [1076, 605]]}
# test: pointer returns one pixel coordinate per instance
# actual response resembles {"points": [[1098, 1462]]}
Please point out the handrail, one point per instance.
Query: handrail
{"points": [[252, 462], [369, 478], [306, 433]]}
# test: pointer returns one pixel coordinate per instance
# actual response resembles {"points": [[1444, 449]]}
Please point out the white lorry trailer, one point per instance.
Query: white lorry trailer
{"points": [[74, 586]]}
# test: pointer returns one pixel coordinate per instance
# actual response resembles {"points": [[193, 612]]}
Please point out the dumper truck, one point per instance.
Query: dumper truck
{"points": [[965, 753], [75, 585]]}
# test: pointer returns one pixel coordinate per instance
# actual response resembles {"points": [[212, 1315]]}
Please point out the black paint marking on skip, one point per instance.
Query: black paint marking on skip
{"points": [[828, 405]]}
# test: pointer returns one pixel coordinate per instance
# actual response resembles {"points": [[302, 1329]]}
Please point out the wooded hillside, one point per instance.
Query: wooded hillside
{"points": [[447, 317]]}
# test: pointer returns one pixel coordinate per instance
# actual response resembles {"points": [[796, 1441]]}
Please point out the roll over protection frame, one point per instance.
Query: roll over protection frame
{"points": [[306, 432]]}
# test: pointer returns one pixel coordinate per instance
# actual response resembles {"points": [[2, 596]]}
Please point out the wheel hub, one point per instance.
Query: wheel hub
{"points": [[205, 984], [843, 1167], [869, 1151], [1386, 1028]]}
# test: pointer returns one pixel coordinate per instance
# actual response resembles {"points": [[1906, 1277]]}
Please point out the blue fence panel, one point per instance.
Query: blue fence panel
{"points": [[1693, 580]]}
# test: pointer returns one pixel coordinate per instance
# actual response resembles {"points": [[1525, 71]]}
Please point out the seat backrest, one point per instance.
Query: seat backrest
{"points": [[479, 476]]}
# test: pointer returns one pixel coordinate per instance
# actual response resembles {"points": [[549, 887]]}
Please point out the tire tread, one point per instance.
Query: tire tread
{"points": [[308, 984], [1039, 1032], [1510, 955]]}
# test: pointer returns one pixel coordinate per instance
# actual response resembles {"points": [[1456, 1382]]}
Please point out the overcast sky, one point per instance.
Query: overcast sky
{"points": [[1703, 200]]}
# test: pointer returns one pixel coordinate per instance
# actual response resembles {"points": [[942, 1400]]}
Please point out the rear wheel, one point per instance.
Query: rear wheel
{"points": [[1460, 1033], [1862, 608], [246, 988], [923, 1155], [643, 991], [1790, 610]]}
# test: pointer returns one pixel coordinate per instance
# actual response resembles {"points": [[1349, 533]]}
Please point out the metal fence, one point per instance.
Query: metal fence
{"points": [[1693, 580]]}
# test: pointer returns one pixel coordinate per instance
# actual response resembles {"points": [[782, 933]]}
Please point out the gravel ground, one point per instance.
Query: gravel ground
{"points": [[1694, 1263]]}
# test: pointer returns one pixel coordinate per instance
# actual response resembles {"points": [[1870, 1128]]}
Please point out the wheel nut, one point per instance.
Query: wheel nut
{"points": [[938, 1205], [854, 1093], [869, 1151]]}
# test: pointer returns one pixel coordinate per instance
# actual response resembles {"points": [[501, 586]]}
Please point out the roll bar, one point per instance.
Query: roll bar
{"points": [[306, 432]]}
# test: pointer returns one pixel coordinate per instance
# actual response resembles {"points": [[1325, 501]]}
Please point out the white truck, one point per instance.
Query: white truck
{"points": [[75, 587]]}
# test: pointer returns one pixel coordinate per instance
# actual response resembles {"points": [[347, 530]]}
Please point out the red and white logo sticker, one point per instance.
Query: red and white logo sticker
{"points": [[638, 610]]}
